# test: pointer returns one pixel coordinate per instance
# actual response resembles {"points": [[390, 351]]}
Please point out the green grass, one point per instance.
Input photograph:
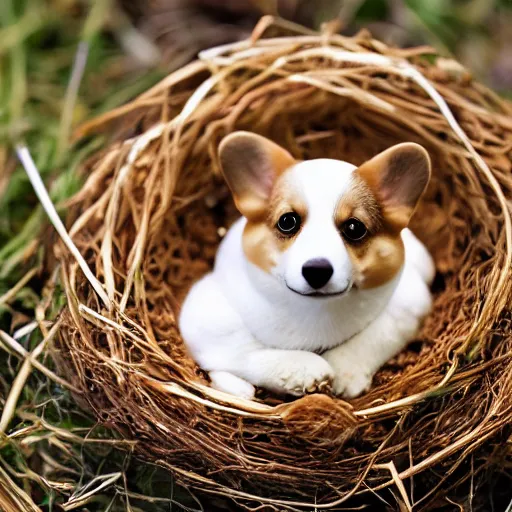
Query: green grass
{"points": [[35, 64], [38, 45]]}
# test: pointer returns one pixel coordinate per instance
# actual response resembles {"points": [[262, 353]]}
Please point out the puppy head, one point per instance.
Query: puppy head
{"points": [[322, 226]]}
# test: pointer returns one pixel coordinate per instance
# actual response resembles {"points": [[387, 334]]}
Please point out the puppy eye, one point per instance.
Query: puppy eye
{"points": [[354, 230], [289, 223]]}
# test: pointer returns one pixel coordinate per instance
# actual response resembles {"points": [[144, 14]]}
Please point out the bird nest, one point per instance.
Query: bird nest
{"points": [[154, 208]]}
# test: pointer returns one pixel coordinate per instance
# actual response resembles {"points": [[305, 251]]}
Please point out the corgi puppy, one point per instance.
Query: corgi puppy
{"points": [[320, 282]]}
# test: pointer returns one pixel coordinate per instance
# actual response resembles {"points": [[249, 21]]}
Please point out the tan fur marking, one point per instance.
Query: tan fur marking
{"points": [[378, 257], [285, 198], [377, 260], [359, 202], [261, 240], [259, 245]]}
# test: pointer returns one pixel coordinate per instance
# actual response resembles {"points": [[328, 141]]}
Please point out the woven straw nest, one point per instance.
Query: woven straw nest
{"points": [[154, 208]]}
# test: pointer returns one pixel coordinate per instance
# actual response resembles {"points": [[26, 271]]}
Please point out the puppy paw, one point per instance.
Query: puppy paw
{"points": [[229, 383], [351, 378], [304, 373]]}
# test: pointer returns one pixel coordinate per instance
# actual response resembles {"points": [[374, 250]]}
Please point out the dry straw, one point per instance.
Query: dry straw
{"points": [[149, 219]]}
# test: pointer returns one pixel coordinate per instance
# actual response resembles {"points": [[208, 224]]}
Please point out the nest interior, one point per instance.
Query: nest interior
{"points": [[154, 208]]}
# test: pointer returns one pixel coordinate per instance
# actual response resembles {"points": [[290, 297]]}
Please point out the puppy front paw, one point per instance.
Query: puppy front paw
{"points": [[229, 383], [351, 378], [304, 373]]}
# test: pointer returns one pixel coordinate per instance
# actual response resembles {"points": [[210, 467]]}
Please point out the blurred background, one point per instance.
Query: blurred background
{"points": [[65, 61]]}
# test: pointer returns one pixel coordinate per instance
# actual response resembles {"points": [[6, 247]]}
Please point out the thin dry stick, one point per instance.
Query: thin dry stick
{"points": [[13, 345], [356, 94], [398, 482], [12, 293], [20, 380], [77, 73], [411, 399], [104, 322], [240, 403], [18, 384], [175, 389], [82, 499], [12, 497], [44, 198], [138, 145]]}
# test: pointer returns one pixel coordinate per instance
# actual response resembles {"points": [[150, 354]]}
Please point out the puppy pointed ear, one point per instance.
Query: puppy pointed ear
{"points": [[398, 177], [251, 163]]}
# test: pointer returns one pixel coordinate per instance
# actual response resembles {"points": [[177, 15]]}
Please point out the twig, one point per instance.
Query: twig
{"points": [[398, 482], [411, 399], [25, 330], [176, 389], [41, 192], [14, 394], [11, 294], [82, 499], [12, 344], [138, 145], [20, 380], [77, 74], [13, 498]]}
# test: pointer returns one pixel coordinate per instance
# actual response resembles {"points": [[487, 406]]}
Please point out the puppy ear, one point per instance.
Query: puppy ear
{"points": [[251, 163], [398, 177]]}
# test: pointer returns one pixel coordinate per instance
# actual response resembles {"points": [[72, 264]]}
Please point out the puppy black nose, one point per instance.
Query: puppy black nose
{"points": [[317, 272]]}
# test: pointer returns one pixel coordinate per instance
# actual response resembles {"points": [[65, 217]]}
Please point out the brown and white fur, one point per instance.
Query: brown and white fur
{"points": [[257, 321]]}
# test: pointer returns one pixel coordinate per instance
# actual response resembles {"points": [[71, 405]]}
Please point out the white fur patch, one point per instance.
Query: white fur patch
{"points": [[321, 184]]}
